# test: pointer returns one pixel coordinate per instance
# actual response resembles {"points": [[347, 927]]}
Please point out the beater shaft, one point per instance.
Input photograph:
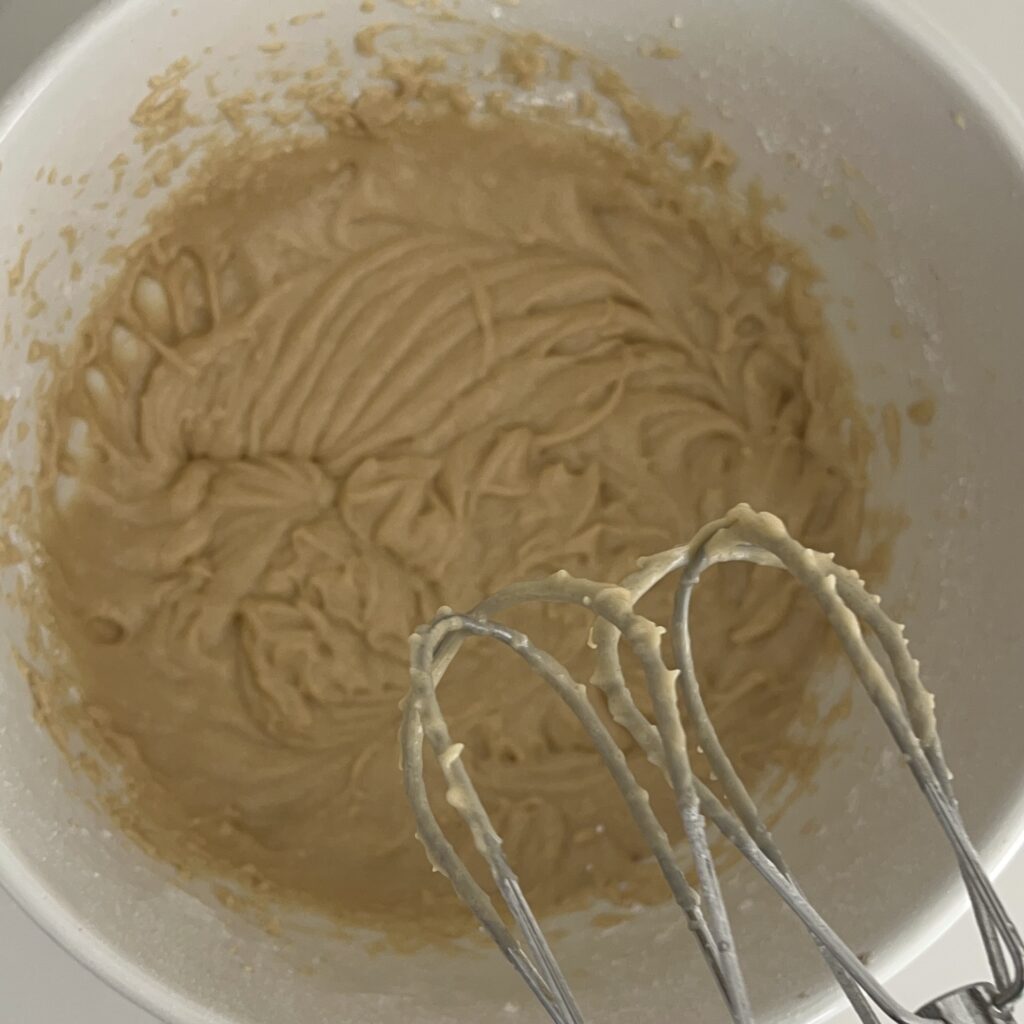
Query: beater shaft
{"points": [[970, 1005]]}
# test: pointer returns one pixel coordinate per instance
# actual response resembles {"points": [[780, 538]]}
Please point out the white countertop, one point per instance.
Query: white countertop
{"points": [[41, 984]]}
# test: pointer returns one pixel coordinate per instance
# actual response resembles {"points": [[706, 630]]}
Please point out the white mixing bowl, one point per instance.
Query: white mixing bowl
{"points": [[840, 109]]}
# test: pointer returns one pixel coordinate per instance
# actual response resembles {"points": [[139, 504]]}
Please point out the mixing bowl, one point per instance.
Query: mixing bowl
{"points": [[857, 119]]}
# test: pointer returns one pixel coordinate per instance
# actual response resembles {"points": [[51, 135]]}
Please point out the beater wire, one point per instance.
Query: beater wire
{"points": [[896, 691]]}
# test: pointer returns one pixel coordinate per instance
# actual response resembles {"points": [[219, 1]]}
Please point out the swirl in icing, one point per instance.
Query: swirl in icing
{"points": [[340, 384]]}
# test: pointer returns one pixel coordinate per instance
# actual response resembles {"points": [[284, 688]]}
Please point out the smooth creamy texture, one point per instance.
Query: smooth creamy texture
{"points": [[344, 386]]}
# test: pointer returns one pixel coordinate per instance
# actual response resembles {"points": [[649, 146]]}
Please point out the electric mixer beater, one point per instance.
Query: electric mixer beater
{"points": [[896, 690]]}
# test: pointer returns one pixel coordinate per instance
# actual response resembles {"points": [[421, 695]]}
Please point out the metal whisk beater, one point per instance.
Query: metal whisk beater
{"points": [[897, 692]]}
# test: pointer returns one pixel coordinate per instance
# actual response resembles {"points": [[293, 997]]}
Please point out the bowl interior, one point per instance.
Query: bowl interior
{"points": [[853, 122]]}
